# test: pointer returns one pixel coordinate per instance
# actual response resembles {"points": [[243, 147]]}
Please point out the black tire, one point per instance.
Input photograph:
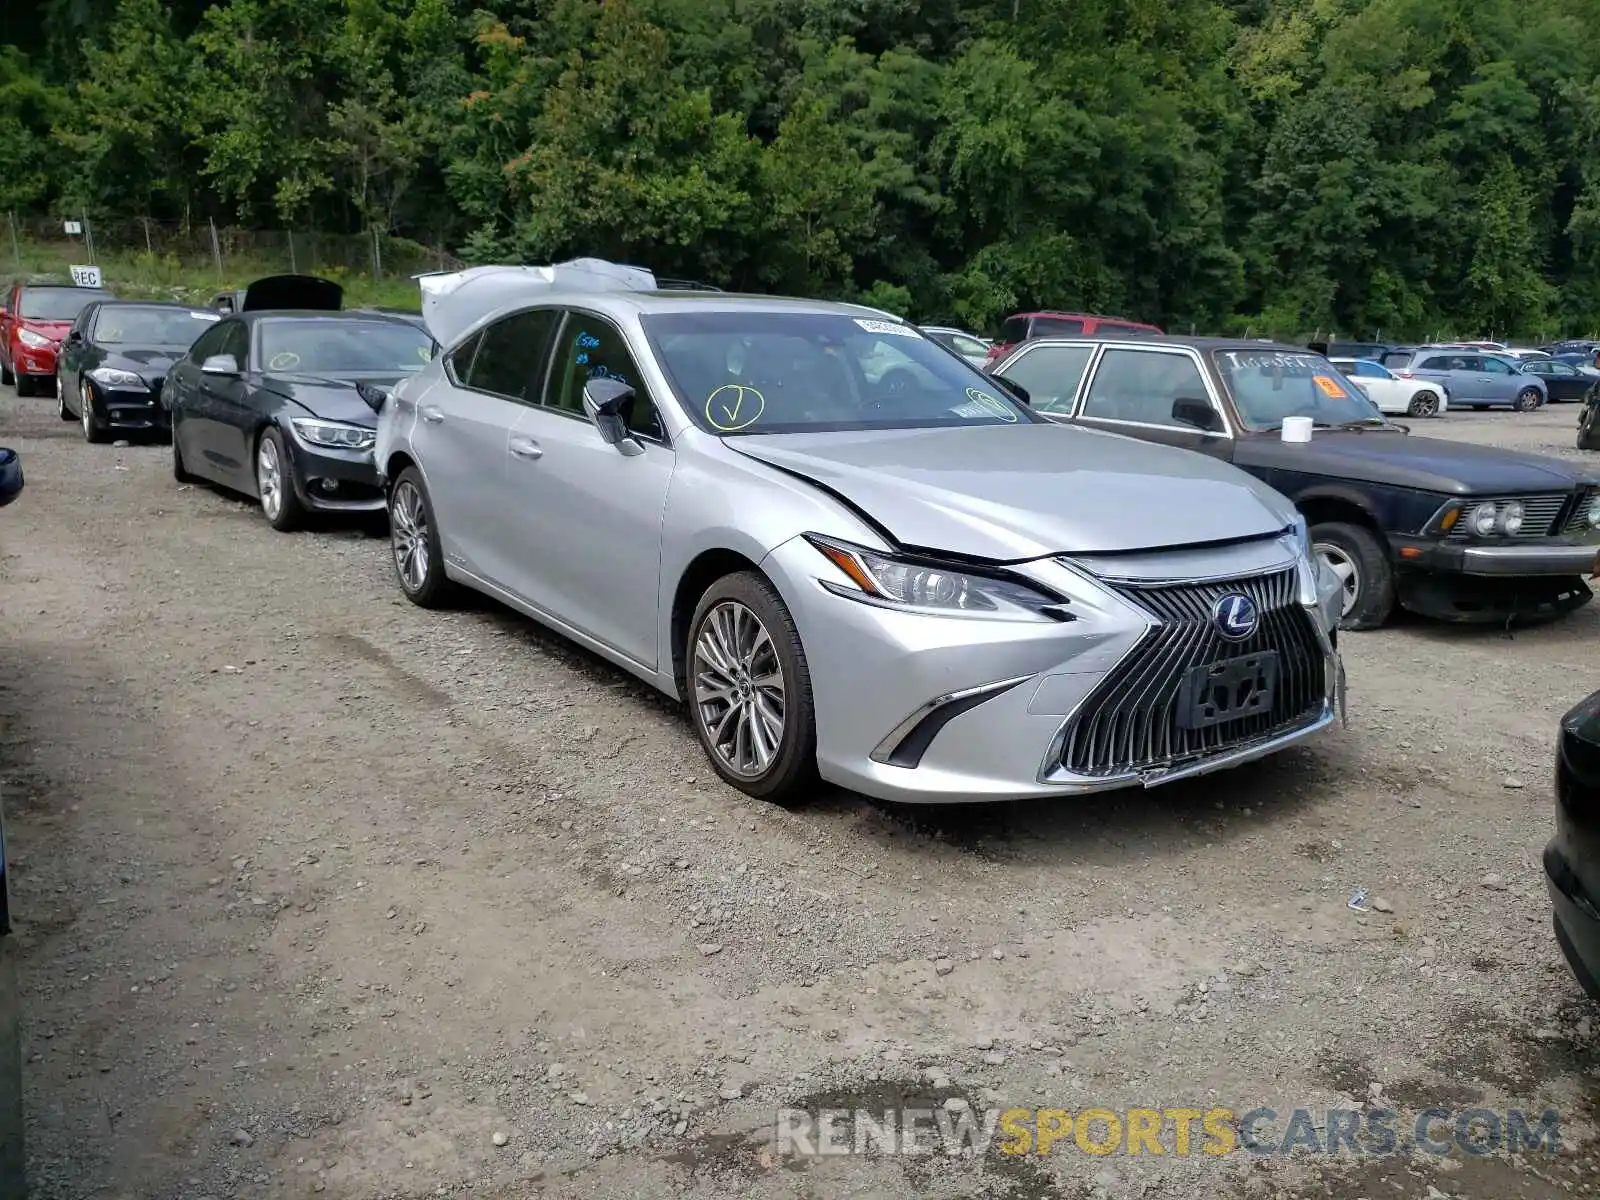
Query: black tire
{"points": [[178, 471], [1423, 404], [61, 404], [1477, 407], [24, 384], [290, 514], [6, 377], [791, 772], [434, 589], [1528, 399], [1375, 590], [94, 432]]}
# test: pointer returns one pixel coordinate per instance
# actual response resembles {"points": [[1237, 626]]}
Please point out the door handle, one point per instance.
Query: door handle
{"points": [[431, 415], [526, 448]]}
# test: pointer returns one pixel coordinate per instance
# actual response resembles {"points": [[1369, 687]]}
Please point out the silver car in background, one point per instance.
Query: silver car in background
{"points": [[900, 578]]}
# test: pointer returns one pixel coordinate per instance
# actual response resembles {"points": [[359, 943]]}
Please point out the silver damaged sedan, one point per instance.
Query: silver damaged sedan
{"points": [[847, 551]]}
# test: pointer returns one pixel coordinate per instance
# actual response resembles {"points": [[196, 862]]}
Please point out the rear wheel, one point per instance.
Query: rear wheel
{"points": [[275, 483], [414, 541], [1529, 399], [1358, 558], [749, 689], [1423, 404]]}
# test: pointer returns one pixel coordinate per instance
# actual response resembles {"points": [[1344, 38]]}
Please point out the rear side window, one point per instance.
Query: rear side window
{"points": [[1051, 375], [1438, 363], [459, 360], [1398, 360], [1014, 330], [511, 358], [1056, 326], [1116, 327]]}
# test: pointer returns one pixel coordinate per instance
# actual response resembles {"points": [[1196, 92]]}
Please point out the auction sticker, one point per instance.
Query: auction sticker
{"points": [[1329, 388], [733, 407], [892, 328]]}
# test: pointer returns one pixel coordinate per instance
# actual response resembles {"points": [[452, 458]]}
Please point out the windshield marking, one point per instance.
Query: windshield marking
{"points": [[284, 360], [889, 327], [725, 407], [1330, 389], [995, 406]]}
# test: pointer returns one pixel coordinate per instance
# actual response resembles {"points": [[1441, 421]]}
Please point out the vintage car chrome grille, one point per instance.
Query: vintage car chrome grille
{"points": [[1539, 514], [1130, 722], [1578, 514]]}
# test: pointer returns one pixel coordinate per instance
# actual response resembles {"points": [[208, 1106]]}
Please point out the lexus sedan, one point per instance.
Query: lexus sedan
{"points": [[1572, 859], [114, 360], [280, 405], [900, 577]]}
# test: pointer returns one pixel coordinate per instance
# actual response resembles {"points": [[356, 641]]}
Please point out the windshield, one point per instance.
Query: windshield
{"points": [[315, 346], [1269, 386], [764, 372], [118, 326], [57, 304]]}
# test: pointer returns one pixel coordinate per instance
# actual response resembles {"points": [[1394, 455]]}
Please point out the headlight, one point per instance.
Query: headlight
{"points": [[930, 586], [35, 341], [334, 434], [1480, 520], [1510, 519], [1594, 513], [112, 378]]}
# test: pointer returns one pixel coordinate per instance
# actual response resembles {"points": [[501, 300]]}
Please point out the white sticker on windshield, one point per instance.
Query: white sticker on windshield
{"points": [[205, 316], [892, 328]]}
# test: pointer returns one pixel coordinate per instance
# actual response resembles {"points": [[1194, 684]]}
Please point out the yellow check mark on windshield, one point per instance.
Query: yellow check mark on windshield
{"points": [[733, 409]]}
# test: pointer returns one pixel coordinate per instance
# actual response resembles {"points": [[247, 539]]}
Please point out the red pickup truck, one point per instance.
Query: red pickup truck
{"points": [[1024, 326], [33, 320]]}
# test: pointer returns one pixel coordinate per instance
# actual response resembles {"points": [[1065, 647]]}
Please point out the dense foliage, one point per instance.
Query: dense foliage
{"points": [[1402, 166]]}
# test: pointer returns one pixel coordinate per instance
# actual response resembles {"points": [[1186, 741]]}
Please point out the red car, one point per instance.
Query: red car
{"points": [[1023, 326], [34, 319]]}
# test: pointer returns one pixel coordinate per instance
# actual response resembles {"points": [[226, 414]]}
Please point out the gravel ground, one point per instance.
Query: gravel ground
{"points": [[322, 893]]}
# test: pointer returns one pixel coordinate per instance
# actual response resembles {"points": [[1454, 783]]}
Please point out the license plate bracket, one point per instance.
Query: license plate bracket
{"points": [[1229, 690]]}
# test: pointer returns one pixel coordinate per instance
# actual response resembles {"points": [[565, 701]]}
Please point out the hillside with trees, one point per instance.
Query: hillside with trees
{"points": [[1361, 165]]}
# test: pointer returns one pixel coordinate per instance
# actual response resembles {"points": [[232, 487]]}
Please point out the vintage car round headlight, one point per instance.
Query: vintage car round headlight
{"points": [[1510, 522], [1481, 520], [1594, 514]]}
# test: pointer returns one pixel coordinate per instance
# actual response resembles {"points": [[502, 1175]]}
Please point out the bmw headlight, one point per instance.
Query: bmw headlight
{"points": [[1509, 522], [1481, 520], [933, 587], [112, 378], [34, 341], [335, 435]]}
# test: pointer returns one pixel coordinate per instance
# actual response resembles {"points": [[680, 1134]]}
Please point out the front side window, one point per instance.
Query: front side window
{"points": [[333, 346], [965, 345], [512, 355], [776, 372], [1141, 386], [210, 342], [1496, 366], [1268, 386], [1050, 375], [236, 342], [125, 326], [592, 348], [57, 304]]}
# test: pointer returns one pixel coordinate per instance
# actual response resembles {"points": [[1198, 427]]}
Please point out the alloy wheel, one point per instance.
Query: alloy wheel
{"points": [[1527, 400], [738, 689], [1424, 404], [1346, 568], [269, 478], [83, 403], [408, 533]]}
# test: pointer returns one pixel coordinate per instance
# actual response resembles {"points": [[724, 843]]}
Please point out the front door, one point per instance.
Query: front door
{"points": [[230, 417], [590, 538]]}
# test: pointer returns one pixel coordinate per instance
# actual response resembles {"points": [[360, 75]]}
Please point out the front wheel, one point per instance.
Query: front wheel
{"points": [[1529, 399], [1359, 559], [93, 431], [414, 540], [1423, 404], [62, 410], [275, 483], [749, 689]]}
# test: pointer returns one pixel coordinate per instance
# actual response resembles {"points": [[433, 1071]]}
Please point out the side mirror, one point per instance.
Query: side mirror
{"points": [[609, 403], [1018, 392], [75, 335], [1188, 411], [220, 364]]}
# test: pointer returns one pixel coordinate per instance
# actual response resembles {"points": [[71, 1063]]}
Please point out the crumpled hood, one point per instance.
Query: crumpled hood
{"points": [[1428, 464], [144, 360], [330, 398], [1013, 492]]}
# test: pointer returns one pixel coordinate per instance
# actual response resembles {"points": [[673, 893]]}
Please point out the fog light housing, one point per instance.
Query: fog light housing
{"points": [[327, 486]]}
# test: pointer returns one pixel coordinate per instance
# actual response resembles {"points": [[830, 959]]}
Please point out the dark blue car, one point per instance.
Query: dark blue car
{"points": [[11, 1166], [1454, 531]]}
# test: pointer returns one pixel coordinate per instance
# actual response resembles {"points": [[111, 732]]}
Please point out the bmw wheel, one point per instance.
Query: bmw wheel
{"points": [[1529, 399], [1355, 555], [1423, 404], [93, 431], [414, 539], [275, 483], [749, 689]]}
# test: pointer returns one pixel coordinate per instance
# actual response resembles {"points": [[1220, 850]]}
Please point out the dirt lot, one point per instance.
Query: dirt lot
{"points": [[322, 893]]}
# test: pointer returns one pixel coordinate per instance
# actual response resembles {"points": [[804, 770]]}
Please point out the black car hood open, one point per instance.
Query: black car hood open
{"points": [[310, 292], [332, 399], [1428, 464]]}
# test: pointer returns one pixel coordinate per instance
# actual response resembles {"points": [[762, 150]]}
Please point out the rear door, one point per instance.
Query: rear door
{"points": [[463, 426], [1133, 390]]}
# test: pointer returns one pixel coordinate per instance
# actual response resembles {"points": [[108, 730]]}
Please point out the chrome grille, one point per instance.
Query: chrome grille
{"points": [[1578, 516], [1131, 721], [1539, 514]]}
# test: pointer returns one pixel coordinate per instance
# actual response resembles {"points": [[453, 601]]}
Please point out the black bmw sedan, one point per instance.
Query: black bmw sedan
{"points": [[1572, 859], [114, 360], [282, 405]]}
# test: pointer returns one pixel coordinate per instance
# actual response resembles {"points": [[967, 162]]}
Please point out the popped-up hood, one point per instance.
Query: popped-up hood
{"points": [[1014, 492], [453, 302], [310, 292]]}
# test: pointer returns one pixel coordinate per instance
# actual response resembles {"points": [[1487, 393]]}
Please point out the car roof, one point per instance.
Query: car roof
{"points": [[320, 314], [62, 287], [124, 302], [1173, 339]]}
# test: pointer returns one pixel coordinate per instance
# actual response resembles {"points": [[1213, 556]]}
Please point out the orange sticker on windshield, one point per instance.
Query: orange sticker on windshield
{"points": [[1329, 388]]}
